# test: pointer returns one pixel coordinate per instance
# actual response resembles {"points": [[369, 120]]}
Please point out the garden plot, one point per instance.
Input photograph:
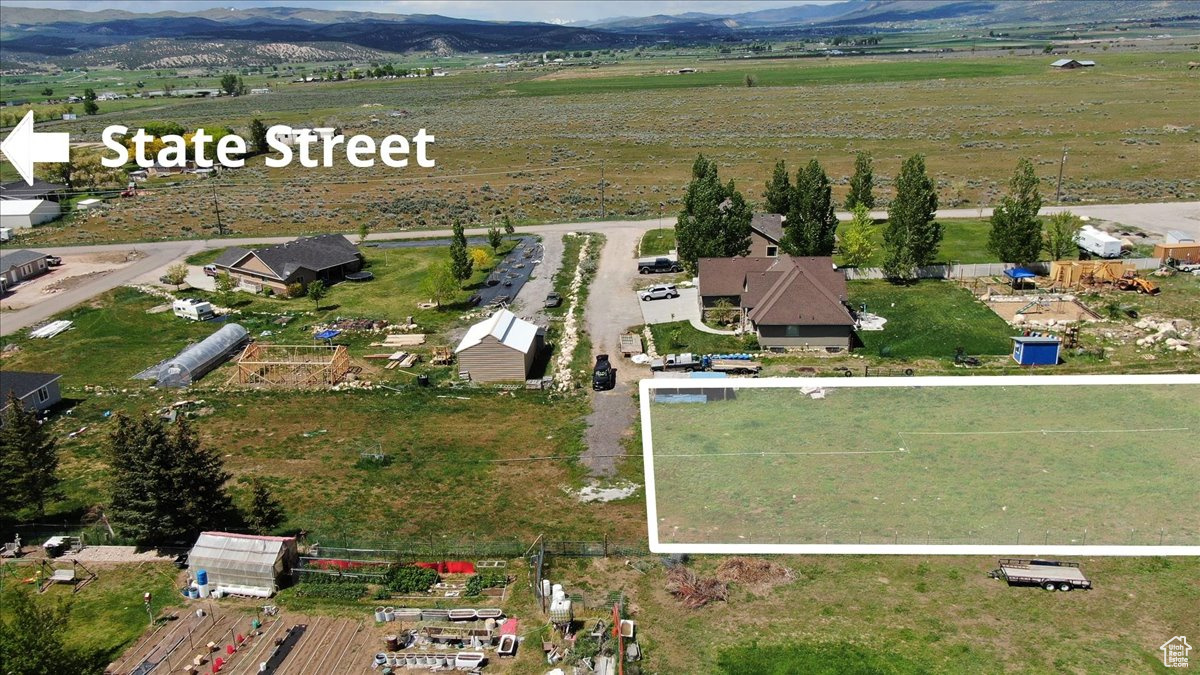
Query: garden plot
{"points": [[990, 461]]}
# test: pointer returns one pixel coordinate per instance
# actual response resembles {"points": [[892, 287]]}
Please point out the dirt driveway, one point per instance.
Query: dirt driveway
{"points": [[76, 271]]}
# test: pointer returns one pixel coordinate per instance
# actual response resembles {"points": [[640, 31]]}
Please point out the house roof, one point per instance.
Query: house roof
{"points": [[1062, 62], [769, 225], [509, 330], [19, 189], [19, 207], [1037, 339], [312, 253], [787, 290], [11, 259], [22, 383]]}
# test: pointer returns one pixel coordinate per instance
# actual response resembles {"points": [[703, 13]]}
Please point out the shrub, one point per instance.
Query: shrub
{"points": [[409, 579], [477, 583], [331, 587], [295, 290]]}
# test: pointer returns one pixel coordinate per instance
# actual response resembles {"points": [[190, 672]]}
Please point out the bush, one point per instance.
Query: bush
{"points": [[331, 587], [477, 583], [295, 290], [409, 579]]}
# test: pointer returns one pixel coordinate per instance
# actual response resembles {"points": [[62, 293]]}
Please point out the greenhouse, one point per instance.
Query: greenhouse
{"points": [[242, 564], [192, 363]]}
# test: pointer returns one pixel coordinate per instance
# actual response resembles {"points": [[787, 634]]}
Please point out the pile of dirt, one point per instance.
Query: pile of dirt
{"points": [[693, 590], [756, 574]]}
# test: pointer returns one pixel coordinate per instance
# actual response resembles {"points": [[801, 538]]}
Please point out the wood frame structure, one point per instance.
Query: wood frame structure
{"points": [[292, 366]]}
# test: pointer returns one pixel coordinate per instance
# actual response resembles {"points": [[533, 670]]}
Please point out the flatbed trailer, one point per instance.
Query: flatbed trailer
{"points": [[691, 362], [1049, 574]]}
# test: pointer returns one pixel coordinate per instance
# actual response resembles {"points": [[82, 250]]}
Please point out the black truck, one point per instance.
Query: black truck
{"points": [[658, 266], [604, 376]]}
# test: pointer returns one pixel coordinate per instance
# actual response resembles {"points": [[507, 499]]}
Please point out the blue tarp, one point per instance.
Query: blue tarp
{"points": [[327, 334], [1019, 273]]}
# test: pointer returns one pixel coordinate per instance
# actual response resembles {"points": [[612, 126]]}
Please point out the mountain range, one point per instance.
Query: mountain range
{"points": [[77, 37]]}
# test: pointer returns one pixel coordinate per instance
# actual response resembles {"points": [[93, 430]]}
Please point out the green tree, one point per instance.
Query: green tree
{"points": [[460, 259], [862, 183], [47, 92], [258, 136], [232, 85], [90, 107], [265, 512], [89, 94], [316, 292], [439, 283], [508, 225], [1016, 234], [778, 194], [750, 80], [28, 459], [495, 238], [31, 637], [166, 486], [811, 226], [225, 285], [858, 244], [363, 231], [176, 275], [715, 221], [1061, 231], [912, 236]]}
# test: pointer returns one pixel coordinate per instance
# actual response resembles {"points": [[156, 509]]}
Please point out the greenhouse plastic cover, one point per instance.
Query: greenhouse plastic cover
{"points": [[192, 363], [238, 560]]}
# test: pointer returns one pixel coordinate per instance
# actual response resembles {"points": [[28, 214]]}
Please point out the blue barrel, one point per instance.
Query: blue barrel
{"points": [[202, 577]]}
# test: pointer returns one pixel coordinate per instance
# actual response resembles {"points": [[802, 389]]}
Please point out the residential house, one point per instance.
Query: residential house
{"points": [[22, 214], [789, 302], [766, 233], [1071, 64], [328, 257], [17, 266], [158, 170], [19, 189], [37, 391], [501, 348]]}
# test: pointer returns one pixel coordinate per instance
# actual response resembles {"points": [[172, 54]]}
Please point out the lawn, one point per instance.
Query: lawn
{"points": [[657, 242], [964, 240], [682, 336], [928, 319], [911, 464]]}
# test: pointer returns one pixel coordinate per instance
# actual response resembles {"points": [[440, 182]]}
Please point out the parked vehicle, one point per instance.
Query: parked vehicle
{"points": [[603, 375], [1096, 242], [691, 362], [191, 308], [665, 291], [658, 266], [1049, 574], [53, 260], [5, 233], [211, 271], [552, 300]]}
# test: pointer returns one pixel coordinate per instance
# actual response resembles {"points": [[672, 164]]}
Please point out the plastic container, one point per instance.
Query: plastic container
{"points": [[389, 614], [201, 577], [379, 615]]}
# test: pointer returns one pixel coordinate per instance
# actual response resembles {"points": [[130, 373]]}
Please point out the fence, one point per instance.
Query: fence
{"points": [[976, 270]]}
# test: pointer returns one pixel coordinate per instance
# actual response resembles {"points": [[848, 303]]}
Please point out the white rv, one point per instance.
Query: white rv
{"points": [[196, 310], [1098, 242]]}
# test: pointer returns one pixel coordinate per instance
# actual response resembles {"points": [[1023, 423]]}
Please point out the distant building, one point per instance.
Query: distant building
{"points": [[17, 266], [1071, 64], [25, 213], [261, 90], [40, 189], [328, 257], [37, 391]]}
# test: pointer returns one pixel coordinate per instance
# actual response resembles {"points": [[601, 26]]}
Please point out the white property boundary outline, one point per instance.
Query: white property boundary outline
{"points": [[647, 386]]}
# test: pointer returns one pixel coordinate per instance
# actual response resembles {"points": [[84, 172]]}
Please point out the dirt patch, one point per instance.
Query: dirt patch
{"points": [[106, 258], [756, 574], [67, 283], [1045, 312]]}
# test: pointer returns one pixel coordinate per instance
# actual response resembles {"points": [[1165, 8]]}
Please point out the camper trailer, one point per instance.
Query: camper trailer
{"points": [[1099, 243], [196, 310]]}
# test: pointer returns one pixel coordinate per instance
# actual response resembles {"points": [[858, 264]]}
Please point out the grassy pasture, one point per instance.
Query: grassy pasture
{"points": [[1014, 464]]}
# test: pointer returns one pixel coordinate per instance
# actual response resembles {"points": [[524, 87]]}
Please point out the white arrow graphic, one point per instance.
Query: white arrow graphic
{"points": [[24, 147]]}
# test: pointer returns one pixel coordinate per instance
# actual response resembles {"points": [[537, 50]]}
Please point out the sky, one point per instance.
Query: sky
{"points": [[558, 11]]}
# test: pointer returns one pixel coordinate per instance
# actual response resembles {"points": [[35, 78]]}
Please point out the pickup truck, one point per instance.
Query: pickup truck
{"points": [[603, 375], [691, 362], [658, 266]]}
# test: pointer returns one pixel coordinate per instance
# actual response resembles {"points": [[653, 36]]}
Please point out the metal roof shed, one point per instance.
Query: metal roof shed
{"points": [[500, 348], [242, 564]]}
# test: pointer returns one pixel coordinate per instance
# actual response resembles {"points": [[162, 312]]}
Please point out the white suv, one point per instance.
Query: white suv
{"points": [[659, 292]]}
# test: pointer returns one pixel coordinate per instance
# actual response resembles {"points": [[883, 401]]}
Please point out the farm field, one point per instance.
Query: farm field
{"points": [[1066, 464], [1127, 123]]}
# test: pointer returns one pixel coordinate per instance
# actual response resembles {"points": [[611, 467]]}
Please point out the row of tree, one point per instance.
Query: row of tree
{"points": [[444, 279]]}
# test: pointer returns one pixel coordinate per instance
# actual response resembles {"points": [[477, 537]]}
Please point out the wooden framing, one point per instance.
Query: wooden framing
{"points": [[292, 366]]}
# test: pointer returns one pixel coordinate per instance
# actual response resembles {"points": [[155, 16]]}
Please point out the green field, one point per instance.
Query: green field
{"points": [[928, 319], [657, 242], [915, 465]]}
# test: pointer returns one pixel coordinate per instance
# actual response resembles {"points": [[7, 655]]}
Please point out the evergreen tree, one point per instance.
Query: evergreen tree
{"points": [[28, 459], [778, 194], [862, 184], [811, 226], [508, 225], [166, 486], [460, 259], [258, 136], [265, 513], [1016, 235], [912, 236], [715, 221]]}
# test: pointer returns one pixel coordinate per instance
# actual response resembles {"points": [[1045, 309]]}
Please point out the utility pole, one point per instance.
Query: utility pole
{"points": [[1058, 190], [602, 212], [217, 208]]}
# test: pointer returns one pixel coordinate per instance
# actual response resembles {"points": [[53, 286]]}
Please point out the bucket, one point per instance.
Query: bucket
{"points": [[389, 614], [379, 616], [392, 659], [201, 577], [381, 659], [393, 642]]}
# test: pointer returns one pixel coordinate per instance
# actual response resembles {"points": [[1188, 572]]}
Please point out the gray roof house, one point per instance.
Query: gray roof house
{"points": [[38, 391], [17, 266], [19, 189], [766, 233], [328, 257]]}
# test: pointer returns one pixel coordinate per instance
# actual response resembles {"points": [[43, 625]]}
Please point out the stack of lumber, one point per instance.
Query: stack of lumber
{"points": [[401, 340]]}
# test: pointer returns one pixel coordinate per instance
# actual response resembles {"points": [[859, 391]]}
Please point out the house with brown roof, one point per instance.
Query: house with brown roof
{"points": [[790, 302], [766, 233], [328, 257]]}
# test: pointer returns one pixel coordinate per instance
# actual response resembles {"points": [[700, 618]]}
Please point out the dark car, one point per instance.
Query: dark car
{"points": [[658, 266], [552, 300], [604, 376], [53, 260]]}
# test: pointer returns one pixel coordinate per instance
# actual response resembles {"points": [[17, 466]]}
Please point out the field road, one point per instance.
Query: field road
{"points": [[1155, 217]]}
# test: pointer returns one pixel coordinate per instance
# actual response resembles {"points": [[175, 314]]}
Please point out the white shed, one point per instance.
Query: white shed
{"points": [[501, 348], [242, 564], [25, 213]]}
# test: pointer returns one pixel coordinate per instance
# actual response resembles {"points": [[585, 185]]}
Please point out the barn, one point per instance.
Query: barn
{"points": [[242, 564], [22, 214], [501, 348]]}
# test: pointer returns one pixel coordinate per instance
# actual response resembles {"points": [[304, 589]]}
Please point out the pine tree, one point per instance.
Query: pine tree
{"points": [[28, 459], [258, 136], [166, 486], [912, 236], [715, 221], [862, 184], [778, 194], [495, 238], [265, 513], [811, 225], [1016, 235], [460, 258]]}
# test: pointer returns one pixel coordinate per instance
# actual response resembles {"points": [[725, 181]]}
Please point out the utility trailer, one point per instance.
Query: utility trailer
{"points": [[1051, 575], [631, 343], [692, 362]]}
